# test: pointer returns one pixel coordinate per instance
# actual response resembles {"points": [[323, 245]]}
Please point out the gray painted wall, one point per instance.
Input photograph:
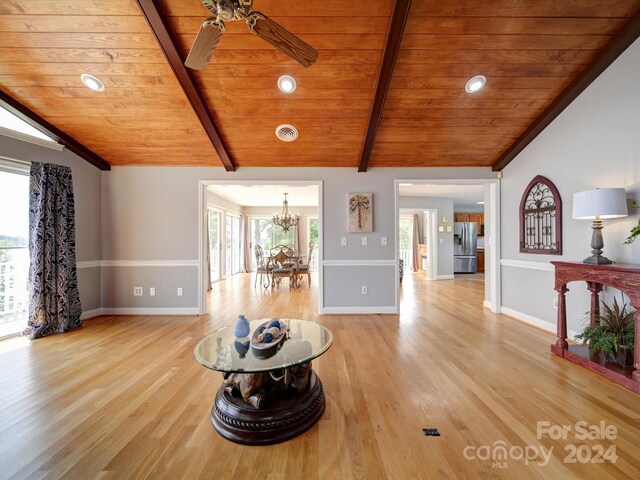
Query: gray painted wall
{"points": [[445, 239], [87, 193], [593, 143], [151, 213]]}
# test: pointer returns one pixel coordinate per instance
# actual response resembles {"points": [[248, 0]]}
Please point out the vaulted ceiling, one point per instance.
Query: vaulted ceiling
{"points": [[530, 51]]}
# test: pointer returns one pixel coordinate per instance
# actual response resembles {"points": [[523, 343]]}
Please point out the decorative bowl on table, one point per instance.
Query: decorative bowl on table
{"points": [[267, 338]]}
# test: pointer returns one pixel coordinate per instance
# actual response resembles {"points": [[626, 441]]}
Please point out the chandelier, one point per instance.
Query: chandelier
{"points": [[286, 220]]}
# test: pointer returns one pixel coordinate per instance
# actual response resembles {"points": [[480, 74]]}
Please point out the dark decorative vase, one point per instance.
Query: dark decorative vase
{"points": [[624, 357]]}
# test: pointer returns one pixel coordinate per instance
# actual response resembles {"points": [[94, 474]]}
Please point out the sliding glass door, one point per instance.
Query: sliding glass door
{"points": [[214, 244], [14, 252], [232, 243]]}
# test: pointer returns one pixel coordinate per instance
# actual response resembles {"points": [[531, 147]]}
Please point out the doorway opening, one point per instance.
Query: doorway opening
{"points": [[238, 216], [459, 230]]}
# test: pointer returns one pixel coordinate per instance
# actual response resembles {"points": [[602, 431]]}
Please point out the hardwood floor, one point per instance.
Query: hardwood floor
{"points": [[123, 396]]}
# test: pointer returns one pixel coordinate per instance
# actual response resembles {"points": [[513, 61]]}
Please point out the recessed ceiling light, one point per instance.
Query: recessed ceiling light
{"points": [[479, 203], [286, 83], [475, 84], [92, 83]]}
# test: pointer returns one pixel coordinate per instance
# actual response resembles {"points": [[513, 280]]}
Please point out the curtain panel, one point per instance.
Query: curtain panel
{"points": [[54, 305], [415, 240]]}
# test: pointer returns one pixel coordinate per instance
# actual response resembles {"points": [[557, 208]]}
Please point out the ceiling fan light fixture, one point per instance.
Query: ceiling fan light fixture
{"points": [[92, 83], [287, 84], [475, 84], [286, 132]]}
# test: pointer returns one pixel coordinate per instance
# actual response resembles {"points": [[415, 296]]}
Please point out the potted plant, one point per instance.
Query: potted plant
{"points": [[612, 334], [635, 231]]}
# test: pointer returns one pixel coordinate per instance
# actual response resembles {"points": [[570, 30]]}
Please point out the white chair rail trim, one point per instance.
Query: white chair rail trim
{"points": [[546, 267], [137, 263]]}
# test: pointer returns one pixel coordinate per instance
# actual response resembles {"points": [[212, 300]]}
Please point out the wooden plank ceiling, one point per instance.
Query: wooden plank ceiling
{"points": [[529, 51]]}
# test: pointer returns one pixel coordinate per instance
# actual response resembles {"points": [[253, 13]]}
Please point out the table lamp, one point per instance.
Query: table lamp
{"points": [[597, 205]]}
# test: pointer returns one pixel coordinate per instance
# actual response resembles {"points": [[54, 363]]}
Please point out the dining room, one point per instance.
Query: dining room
{"points": [[266, 236]]}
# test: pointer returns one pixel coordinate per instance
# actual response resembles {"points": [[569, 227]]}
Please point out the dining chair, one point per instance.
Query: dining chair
{"points": [[261, 265], [281, 265], [305, 268]]}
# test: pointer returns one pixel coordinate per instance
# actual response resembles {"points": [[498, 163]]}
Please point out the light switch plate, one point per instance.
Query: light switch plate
{"points": [[383, 241], [137, 291], [180, 291], [343, 241], [364, 241], [152, 291]]}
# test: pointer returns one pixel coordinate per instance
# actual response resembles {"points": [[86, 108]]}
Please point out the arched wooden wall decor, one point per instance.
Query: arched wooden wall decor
{"points": [[541, 218]]}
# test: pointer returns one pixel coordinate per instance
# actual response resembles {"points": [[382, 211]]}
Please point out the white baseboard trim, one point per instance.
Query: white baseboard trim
{"points": [[546, 267], [358, 310], [535, 321], [486, 304], [140, 311], [446, 277], [96, 312]]}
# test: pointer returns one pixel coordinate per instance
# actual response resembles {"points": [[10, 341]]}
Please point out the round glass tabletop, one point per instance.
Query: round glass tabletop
{"points": [[223, 351]]}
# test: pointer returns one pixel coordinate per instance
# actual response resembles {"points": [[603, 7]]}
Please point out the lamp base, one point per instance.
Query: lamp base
{"points": [[597, 260], [596, 245]]}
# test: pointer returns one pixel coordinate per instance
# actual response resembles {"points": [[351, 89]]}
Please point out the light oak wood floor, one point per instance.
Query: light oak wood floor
{"points": [[123, 397]]}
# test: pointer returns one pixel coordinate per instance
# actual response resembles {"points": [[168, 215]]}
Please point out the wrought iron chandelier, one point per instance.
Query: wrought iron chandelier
{"points": [[286, 220]]}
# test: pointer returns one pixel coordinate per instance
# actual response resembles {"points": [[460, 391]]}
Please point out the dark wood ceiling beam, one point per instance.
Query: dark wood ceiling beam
{"points": [[389, 56], [618, 44], [161, 30], [40, 124]]}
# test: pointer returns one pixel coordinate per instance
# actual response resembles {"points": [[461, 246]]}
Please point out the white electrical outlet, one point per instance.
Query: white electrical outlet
{"points": [[364, 241], [137, 291], [152, 291], [343, 241], [383, 241], [364, 290], [180, 291]]}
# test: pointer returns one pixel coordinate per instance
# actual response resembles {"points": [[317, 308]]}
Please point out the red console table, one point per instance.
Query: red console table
{"points": [[625, 278]]}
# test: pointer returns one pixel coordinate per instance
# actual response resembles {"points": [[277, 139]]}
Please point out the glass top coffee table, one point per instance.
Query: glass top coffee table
{"points": [[268, 394]]}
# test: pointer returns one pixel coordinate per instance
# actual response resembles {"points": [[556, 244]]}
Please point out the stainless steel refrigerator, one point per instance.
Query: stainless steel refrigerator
{"points": [[465, 247]]}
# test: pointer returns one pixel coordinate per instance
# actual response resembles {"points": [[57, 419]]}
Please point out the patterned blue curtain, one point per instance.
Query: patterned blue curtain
{"points": [[53, 280]]}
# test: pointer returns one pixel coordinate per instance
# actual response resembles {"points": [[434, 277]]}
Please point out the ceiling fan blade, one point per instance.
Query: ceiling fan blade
{"points": [[205, 44], [282, 39]]}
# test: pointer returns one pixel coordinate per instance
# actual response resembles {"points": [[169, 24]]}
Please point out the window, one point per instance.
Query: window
{"points": [[14, 252], [232, 241], [214, 244], [406, 242], [312, 235], [12, 126], [265, 233]]}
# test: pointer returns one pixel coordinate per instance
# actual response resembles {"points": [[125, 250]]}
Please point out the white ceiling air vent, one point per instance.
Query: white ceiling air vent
{"points": [[286, 132]]}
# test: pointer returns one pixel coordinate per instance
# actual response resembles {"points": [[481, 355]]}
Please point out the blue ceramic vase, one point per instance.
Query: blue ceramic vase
{"points": [[242, 327]]}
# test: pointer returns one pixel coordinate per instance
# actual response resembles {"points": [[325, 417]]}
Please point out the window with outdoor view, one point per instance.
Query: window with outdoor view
{"points": [[14, 252]]}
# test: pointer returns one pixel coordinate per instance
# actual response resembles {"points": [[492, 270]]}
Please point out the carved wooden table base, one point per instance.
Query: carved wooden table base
{"points": [[273, 412]]}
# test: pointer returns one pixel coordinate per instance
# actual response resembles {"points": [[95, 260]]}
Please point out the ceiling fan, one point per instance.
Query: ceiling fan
{"points": [[212, 29]]}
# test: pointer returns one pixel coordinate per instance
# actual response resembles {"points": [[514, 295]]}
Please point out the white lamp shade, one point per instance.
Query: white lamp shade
{"points": [[601, 203]]}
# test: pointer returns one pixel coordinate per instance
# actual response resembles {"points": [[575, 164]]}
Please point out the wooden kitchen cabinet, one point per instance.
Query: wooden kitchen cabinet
{"points": [[478, 218], [480, 259]]}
